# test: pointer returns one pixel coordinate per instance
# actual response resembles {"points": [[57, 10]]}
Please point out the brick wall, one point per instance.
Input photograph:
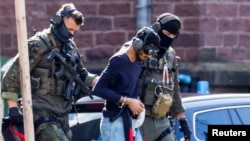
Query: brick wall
{"points": [[213, 30]]}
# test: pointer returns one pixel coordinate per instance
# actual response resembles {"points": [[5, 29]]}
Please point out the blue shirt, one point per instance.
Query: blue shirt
{"points": [[127, 74]]}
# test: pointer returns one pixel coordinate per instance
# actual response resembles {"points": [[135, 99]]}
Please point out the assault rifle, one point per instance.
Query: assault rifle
{"points": [[75, 83]]}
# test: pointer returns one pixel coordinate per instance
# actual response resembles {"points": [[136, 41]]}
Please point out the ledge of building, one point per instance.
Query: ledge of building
{"points": [[222, 76], [236, 73]]}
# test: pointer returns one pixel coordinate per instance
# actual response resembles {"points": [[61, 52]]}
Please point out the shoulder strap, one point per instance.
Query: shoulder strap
{"points": [[54, 44], [48, 39]]}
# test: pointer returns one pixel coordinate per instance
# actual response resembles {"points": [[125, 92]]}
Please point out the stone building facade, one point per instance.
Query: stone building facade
{"points": [[213, 44]]}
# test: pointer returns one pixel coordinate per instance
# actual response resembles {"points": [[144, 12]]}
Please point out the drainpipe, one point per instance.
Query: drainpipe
{"points": [[143, 13]]}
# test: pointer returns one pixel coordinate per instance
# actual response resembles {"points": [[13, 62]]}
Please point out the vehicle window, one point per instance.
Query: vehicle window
{"points": [[243, 114], [208, 118], [235, 116]]}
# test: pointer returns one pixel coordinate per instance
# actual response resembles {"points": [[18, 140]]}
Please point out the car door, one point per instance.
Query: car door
{"points": [[209, 117], [231, 115]]}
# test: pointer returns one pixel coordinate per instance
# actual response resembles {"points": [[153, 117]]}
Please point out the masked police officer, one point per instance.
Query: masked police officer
{"points": [[159, 87], [52, 52]]}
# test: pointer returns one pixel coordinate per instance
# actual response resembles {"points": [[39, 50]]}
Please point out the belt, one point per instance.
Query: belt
{"points": [[48, 118], [148, 112]]}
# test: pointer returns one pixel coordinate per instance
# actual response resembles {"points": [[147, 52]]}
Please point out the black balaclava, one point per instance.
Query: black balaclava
{"points": [[61, 33], [172, 27]]}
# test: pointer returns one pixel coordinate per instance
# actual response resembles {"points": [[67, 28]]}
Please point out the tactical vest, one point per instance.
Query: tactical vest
{"points": [[151, 80], [43, 79]]}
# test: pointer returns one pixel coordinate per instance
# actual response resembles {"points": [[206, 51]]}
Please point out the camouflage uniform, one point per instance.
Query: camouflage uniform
{"points": [[50, 109], [151, 77]]}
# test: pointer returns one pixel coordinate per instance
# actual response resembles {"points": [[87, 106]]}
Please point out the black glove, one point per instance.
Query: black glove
{"points": [[185, 129], [15, 115]]}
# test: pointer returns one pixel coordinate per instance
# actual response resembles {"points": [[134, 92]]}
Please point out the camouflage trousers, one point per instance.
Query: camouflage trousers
{"points": [[53, 130]]}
